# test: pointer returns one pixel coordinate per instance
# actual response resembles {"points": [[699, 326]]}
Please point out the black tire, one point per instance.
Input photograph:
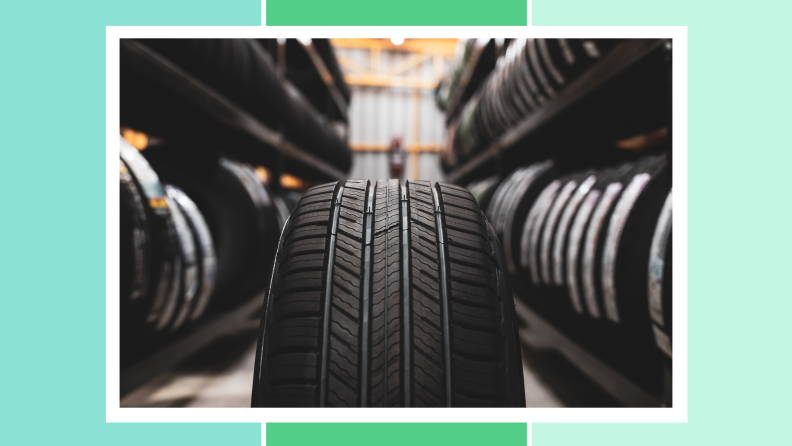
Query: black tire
{"points": [[483, 190], [660, 280], [189, 281], [207, 262], [144, 314], [240, 214], [516, 206], [372, 305], [623, 269], [598, 293], [242, 71], [134, 250], [539, 71]]}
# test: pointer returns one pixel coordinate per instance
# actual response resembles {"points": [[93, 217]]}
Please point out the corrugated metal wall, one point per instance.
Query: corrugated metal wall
{"points": [[374, 165], [379, 114]]}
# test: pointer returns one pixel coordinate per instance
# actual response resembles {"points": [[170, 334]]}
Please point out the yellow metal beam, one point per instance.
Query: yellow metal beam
{"points": [[412, 148], [351, 65], [412, 61], [376, 58], [381, 80], [421, 49], [444, 47]]}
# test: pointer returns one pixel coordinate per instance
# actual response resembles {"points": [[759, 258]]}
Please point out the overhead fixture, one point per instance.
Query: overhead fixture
{"points": [[305, 41], [397, 41]]}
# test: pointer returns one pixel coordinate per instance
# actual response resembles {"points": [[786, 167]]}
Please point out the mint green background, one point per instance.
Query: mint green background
{"points": [[52, 263], [739, 304], [396, 434], [52, 220]]}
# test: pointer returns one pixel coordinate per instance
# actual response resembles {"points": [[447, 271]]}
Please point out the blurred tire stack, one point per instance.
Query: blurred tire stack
{"points": [[566, 146], [226, 137]]}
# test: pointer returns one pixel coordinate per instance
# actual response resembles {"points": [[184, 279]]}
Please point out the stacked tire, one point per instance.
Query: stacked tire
{"points": [[483, 190], [195, 240], [590, 251], [531, 73], [244, 72], [388, 295]]}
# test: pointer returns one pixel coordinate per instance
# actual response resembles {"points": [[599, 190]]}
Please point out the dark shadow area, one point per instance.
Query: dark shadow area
{"points": [[219, 355], [565, 381]]}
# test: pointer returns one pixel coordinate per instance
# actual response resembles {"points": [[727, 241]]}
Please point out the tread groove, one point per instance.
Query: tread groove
{"points": [[328, 293], [441, 250], [365, 354], [406, 287]]}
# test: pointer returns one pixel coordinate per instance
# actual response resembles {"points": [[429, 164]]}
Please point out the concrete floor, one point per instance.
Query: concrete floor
{"points": [[552, 381], [222, 375]]}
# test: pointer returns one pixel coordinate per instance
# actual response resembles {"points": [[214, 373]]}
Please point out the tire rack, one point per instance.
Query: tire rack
{"points": [[464, 89], [618, 81], [629, 82], [327, 78], [539, 334], [232, 121]]}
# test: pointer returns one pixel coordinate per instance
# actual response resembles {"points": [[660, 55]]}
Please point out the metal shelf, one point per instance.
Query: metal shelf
{"points": [[155, 68], [455, 103], [591, 83], [245, 317], [540, 334], [327, 78]]}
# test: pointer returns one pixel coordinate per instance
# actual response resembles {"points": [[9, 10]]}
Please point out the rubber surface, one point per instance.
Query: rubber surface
{"points": [[239, 212], [242, 71], [189, 280], [146, 314], [530, 73], [388, 295], [134, 268], [206, 254], [583, 258]]}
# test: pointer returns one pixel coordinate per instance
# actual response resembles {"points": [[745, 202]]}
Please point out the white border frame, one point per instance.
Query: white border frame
{"points": [[677, 413]]}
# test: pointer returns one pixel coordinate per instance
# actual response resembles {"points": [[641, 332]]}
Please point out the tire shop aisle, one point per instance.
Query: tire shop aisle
{"points": [[524, 173]]}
